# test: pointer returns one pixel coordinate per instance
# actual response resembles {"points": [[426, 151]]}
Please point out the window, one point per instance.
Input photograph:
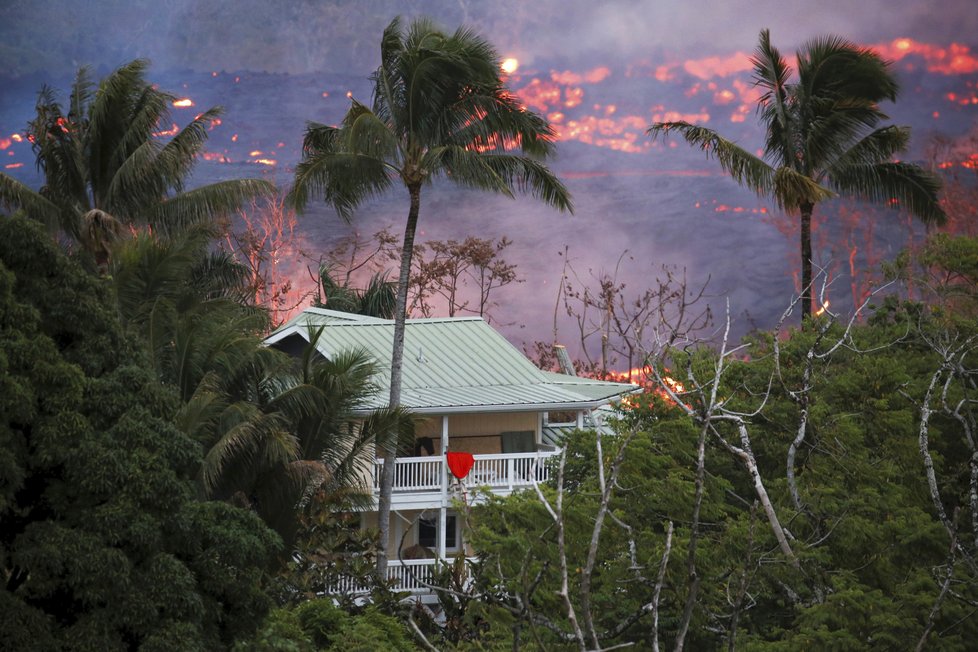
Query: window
{"points": [[428, 532]]}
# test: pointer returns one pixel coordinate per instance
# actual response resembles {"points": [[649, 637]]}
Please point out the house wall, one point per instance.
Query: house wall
{"points": [[404, 531], [478, 433]]}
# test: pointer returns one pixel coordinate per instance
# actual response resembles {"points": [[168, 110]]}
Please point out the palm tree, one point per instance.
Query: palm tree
{"points": [[439, 108], [823, 137], [378, 299], [104, 169], [272, 428]]}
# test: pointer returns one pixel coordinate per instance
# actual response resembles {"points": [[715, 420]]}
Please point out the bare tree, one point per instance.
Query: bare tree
{"points": [[270, 247], [459, 277]]}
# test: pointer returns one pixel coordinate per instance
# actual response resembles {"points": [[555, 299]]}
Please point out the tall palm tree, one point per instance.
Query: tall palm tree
{"points": [[439, 107], [822, 137], [104, 168]]}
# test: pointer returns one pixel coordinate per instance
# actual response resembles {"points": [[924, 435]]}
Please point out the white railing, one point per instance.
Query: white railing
{"points": [[413, 473], [408, 575], [509, 470], [411, 574], [494, 470]]}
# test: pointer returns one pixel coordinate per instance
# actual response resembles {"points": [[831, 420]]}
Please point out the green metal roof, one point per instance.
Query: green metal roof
{"points": [[451, 364]]}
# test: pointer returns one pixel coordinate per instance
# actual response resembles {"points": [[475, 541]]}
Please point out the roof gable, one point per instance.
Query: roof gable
{"points": [[451, 364]]}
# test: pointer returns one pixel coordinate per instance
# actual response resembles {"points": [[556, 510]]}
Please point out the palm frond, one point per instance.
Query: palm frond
{"points": [[379, 298], [198, 416], [833, 125], [792, 189], [501, 173], [901, 185], [15, 195], [219, 275], [59, 147], [345, 180], [109, 120], [492, 120], [771, 73], [832, 66], [879, 146], [204, 204], [152, 170], [134, 185], [82, 92], [150, 107], [390, 427], [251, 442], [746, 168], [365, 134]]}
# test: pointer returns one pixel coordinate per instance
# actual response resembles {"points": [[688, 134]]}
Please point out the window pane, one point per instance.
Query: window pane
{"points": [[451, 540], [427, 532]]}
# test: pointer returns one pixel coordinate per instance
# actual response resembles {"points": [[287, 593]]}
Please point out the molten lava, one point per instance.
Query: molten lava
{"points": [[172, 131], [510, 65]]}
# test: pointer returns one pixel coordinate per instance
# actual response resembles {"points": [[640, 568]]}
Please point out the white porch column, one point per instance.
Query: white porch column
{"points": [[580, 419], [443, 510]]}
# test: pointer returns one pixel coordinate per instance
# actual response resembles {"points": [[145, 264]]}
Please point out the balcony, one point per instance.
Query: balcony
{"points": [[501, 473], [411, 575]]}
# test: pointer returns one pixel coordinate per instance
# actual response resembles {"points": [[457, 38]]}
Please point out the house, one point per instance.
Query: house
{"points": [[479, 395]]}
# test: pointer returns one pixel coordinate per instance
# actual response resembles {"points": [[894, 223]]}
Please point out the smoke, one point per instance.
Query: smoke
{"points": [[308, 36], [293, 61]]}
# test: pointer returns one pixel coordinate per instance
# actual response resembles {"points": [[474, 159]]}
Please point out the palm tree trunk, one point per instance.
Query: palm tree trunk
{"points": [[397, 362], [806, 260]]}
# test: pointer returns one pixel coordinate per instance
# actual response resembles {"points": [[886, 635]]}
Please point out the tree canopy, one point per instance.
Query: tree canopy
{"points": [[103, 544]]}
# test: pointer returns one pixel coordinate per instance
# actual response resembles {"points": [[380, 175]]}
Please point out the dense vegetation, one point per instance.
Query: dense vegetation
{"points": [[166, 482], [103, 543]]}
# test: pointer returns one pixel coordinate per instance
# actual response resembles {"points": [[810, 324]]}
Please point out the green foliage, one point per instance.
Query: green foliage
{"points": [[320, 625], [104, 169], [101, 543], [873, 551], [378, 299]]}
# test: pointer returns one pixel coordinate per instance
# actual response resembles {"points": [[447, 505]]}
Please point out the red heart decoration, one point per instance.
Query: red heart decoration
{"points": [[460, 463]]}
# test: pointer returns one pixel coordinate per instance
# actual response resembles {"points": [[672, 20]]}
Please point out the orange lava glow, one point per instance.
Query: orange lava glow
{"points": [[510, 65], [642, 377], [593, 76], [13, 166], [220, 157], [710, 67], [5, 143], [955, 59], [172, 131], [623, 133], [723, 208], [183, 103], [265, 161]]}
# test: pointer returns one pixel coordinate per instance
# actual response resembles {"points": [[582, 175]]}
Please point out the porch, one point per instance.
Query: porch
{"points": [[499, 472], [411, 575]]}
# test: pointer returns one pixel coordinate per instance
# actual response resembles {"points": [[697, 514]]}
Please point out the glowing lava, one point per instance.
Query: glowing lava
{"points": [[510, 65], [183, 103], [172, 131]]}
